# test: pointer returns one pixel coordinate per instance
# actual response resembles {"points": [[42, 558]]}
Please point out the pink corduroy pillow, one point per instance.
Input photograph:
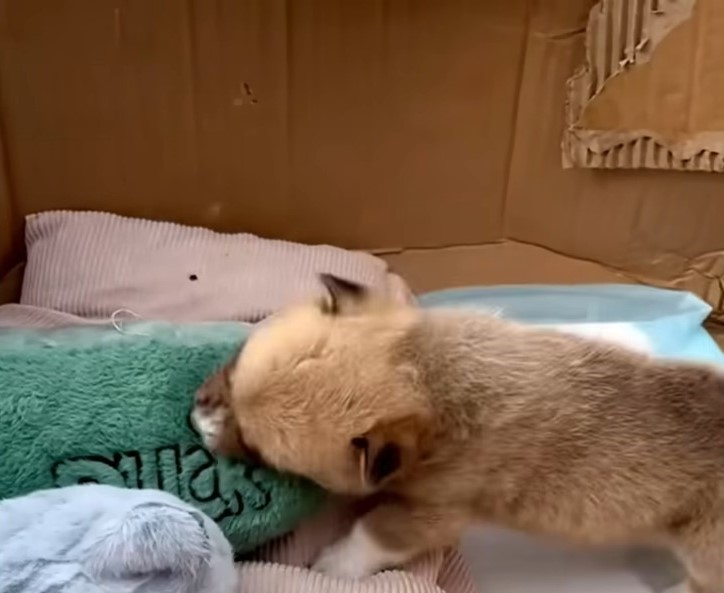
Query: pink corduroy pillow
{"points": [[93, 264]]}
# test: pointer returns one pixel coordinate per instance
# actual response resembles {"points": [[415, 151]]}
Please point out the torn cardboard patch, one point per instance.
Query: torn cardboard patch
{"points": [[651, 93]]}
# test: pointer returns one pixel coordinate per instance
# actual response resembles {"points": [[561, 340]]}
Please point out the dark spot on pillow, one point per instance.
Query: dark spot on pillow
{"points": [[193, 277]]}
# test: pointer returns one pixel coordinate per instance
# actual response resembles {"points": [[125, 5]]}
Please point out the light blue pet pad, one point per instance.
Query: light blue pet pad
{"points": [[671, 320], [103, 539]]}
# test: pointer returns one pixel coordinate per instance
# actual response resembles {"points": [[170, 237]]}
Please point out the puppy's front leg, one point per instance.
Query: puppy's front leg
{"points": [[387, 537]]}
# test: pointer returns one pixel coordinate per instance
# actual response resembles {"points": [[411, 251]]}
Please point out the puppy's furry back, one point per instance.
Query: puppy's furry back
{"points": [[559, 434], [453, 418]]}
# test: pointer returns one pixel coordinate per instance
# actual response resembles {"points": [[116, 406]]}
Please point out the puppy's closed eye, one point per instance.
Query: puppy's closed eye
{"points": [[387, 461], [389, 448], [376, 464]]}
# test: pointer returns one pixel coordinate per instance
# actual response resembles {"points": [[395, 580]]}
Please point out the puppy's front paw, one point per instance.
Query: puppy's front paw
{"points": [[356, 556], [339, 560]]}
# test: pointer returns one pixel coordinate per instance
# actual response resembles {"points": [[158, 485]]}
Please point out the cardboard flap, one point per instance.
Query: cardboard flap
{"points": [[649, 95]]}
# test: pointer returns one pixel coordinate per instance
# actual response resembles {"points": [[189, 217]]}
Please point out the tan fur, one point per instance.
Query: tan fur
{"points": [[492, 421]]}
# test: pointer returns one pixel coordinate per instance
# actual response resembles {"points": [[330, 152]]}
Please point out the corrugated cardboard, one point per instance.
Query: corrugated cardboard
{"points": [[650, 92], [658, 227], [424, 130]]}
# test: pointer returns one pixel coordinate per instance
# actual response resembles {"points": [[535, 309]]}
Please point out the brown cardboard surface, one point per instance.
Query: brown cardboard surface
{"points": [[507, 262], [97, 102], [365, 124], [716, 330], [9, 228], [11, 284], [659, 227], [428, 130], [649, 95]]}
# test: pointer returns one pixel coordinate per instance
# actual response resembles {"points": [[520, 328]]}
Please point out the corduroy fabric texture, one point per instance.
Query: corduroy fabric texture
{"points": [[281, 565], [91, 264]]}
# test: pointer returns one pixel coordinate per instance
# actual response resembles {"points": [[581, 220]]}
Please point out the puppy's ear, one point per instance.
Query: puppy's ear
{"points": [[343, 296], [390, 448]]}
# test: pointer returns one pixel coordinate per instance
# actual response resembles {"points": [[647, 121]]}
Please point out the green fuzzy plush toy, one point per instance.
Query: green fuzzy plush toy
{"points": [[92, 405]]}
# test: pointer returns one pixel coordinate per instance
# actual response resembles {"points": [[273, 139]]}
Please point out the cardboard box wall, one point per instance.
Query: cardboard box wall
{"points": [[649, 92], [427, 130]]}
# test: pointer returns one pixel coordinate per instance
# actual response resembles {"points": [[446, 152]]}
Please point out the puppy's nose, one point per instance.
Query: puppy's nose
{"points": [[214, 391], [206, 398], [202, 398]]}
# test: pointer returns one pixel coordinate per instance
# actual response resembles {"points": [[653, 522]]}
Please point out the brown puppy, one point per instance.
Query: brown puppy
{"points": [[454, 418]]}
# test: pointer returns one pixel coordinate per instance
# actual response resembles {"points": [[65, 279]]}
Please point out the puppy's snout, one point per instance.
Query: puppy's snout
{"points": [[208, 397], [208, 419], [218, 431], [202, 398]]}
